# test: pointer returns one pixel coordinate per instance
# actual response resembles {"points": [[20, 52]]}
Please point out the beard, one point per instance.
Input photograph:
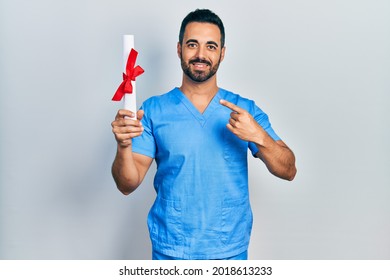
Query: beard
{"points": [[197, 75]]}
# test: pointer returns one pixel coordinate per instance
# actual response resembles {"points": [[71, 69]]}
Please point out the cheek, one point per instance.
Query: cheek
{"points": [[185, 56], [216, 59]]}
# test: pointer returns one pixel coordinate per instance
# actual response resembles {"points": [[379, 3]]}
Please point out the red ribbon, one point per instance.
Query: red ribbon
{"points": [[131, 73]]}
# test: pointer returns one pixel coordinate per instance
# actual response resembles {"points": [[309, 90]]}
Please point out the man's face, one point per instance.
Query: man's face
{"points": [[201, 52]]}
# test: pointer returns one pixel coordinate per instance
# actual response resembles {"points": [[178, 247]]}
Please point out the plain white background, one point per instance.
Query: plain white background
{"points": [[320, 69]]}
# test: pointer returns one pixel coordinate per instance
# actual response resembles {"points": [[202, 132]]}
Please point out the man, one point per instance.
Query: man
{"points": [[199, 135]]}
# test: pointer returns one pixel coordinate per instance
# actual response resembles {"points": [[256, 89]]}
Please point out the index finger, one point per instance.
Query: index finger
{"points": [[231, 106], [124, 113]]}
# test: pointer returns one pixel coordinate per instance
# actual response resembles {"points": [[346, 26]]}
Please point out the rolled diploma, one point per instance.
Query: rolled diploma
{"points": [[130, 99]]}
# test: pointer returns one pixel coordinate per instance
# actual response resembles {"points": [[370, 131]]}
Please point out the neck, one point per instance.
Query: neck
{"points": [[206, 89], [200, 94]]}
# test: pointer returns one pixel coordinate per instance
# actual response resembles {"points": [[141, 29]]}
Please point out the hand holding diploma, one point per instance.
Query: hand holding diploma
{"points": [[127, 123], [125, 127]]}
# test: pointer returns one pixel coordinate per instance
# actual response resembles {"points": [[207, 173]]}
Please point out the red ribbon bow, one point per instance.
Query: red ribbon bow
{"points": [[131, 73]]}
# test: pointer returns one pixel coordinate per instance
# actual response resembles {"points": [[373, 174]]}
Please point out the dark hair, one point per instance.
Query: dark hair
{"points": [[202, 15]]}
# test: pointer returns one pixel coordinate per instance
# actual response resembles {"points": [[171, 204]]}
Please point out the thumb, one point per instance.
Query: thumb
{"points": [[140, 114]]}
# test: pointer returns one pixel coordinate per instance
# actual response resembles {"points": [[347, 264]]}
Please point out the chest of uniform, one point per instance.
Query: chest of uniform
{"points": [[185, 133]]}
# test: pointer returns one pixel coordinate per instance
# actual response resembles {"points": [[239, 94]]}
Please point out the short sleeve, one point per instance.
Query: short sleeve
{"points": [[263, 120], [145, 144]]}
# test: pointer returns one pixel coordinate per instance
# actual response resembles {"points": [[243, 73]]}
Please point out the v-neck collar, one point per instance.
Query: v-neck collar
{"points": [[201, 117]]}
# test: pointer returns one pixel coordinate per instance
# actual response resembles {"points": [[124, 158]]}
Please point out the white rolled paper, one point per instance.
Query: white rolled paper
{"points": [[130, 99]]}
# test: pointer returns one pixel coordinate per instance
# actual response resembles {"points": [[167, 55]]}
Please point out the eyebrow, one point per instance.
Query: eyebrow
{"points": [[212, 43], [196, 41]]}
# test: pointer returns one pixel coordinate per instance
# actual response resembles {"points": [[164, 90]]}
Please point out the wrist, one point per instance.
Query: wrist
{"points": [[260, 137], [124, 145], [263, 140]]}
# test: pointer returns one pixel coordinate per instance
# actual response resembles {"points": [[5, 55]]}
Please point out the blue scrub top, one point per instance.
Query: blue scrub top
{"points": [[202, 208]]}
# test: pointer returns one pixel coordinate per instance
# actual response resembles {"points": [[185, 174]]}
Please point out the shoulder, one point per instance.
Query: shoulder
{"points": [[160, 101], [239, 100]]}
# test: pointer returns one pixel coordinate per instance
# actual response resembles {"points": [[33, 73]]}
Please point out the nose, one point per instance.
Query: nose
{"points": [[201, 52]]}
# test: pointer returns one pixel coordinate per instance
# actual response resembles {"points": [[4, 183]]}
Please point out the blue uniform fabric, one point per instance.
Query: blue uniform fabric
{"points": [[161, 257], [202, 208]]}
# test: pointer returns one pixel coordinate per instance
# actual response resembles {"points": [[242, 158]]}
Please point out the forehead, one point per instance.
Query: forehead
{"points": [[202, 31]]}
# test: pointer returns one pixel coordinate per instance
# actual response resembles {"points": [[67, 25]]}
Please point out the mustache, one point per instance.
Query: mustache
{"points": [[199, 60]]}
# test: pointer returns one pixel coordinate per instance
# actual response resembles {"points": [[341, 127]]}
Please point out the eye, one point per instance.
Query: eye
{"points": [[192, 45], [211, 47]]}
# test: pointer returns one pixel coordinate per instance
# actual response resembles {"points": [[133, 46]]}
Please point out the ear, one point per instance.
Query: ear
{"points": [[223, 53], [179, 49]]}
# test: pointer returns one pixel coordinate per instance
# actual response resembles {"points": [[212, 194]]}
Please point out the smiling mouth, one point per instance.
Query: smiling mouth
{"points": [[200, 66], [200, 62]]}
